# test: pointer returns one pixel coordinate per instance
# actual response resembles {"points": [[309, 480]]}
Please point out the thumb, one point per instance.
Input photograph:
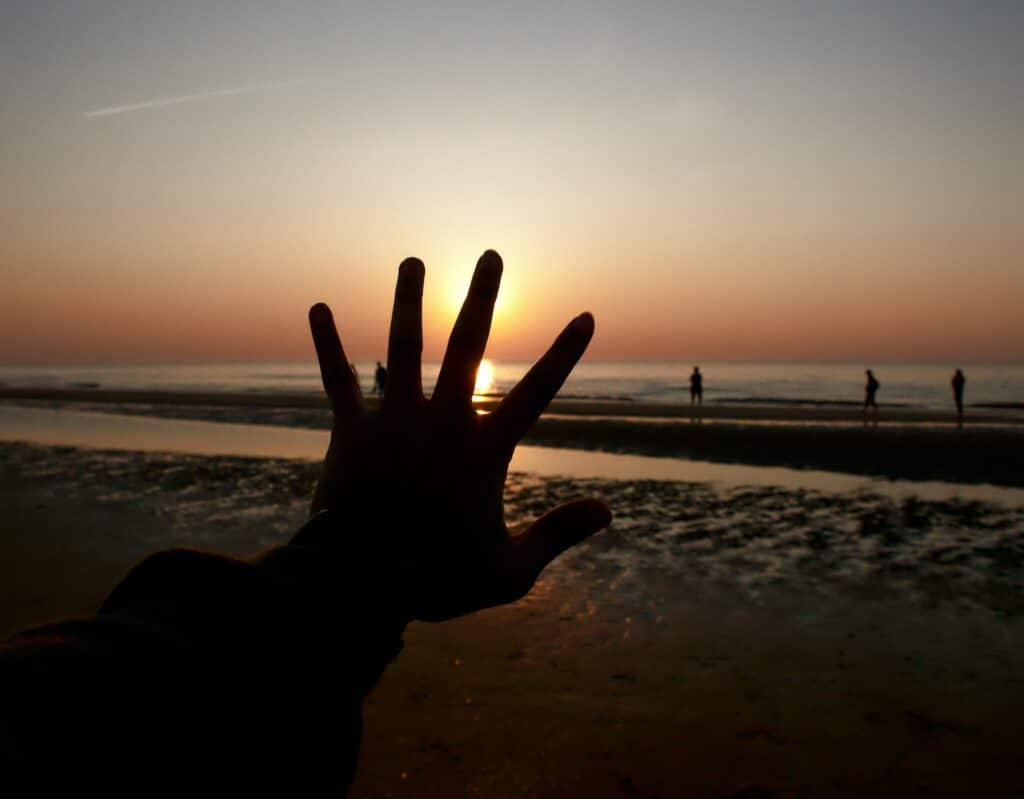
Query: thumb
{"points": [[560, 529]]}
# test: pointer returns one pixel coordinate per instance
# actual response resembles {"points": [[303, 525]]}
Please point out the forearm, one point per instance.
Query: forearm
{"points": [[224, 661]]}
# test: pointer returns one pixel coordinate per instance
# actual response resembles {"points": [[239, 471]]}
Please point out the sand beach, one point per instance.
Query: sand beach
{"points": [[725, 638]]}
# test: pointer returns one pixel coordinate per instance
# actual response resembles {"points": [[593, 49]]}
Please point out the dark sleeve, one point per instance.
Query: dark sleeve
{"points": [[200, 665]]}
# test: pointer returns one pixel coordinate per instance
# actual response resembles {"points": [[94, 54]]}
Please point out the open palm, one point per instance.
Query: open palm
{"points": [[420, 482]]}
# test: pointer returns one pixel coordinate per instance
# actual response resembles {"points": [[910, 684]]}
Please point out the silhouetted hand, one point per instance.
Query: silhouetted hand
{"points": [[417, 484]]}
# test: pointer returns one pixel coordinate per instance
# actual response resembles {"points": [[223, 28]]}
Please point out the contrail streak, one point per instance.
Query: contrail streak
{"points": [[187, 98]]}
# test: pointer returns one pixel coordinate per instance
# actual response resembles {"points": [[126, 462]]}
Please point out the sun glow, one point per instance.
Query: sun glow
{"points": [[453, 295], [484, 378]]}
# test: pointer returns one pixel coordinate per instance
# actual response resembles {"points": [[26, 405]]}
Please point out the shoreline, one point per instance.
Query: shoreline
{"points": [[766, 409], [975, 454]]}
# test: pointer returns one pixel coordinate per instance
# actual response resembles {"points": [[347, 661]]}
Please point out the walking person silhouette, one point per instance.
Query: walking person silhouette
{"points": [[958, 383], [380, 379], [696, 387], [870, 390]]}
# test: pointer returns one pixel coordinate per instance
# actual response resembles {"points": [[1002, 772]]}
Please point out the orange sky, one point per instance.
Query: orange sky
{"points": [[747, 307], [732, 183]]}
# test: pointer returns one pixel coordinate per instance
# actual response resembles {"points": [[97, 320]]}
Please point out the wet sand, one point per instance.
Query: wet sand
{"points": [[985, 450], [716, 642], [970, 455]]}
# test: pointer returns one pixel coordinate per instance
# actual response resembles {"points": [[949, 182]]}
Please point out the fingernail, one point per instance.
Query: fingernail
{"points": [[411, 267], [490, 261], [584, 322], [320, 314]]}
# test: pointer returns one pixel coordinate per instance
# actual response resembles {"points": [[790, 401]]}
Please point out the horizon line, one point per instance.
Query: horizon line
{"points": [[868, 362]]}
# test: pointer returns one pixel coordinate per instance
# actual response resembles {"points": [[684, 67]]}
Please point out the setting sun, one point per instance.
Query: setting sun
{"points": [[450, 277], [484, 378]]}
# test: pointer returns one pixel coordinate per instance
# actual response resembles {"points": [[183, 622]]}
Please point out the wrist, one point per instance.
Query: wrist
{"points": [[345, 600]]}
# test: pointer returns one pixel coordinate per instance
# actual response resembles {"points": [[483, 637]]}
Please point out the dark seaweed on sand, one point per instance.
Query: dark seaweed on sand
{"points": [[669, 538]]}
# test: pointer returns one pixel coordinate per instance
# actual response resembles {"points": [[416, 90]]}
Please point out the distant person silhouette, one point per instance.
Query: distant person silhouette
{"points": [[870, 390], [696, 387], [380, 379], [246, 672], [958, 382]]}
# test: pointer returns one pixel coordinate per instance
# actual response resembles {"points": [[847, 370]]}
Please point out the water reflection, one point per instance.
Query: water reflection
{"points": [[114, 431]]}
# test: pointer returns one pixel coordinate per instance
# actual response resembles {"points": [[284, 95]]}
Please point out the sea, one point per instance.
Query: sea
{"points": [[776, 383]]}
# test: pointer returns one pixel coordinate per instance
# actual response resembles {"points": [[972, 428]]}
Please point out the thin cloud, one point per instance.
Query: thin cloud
{"points": [[188, 98]]}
